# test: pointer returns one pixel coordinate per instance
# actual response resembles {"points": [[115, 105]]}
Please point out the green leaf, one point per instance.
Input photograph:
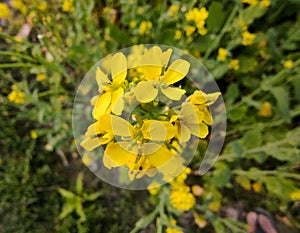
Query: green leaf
{"points": [[247, 63], [66, 193], [219, 227], [202, 43], [221, 175], [252, 139], [282, 99], [92, 197], [232, 93], [280, 187], [216, 17], [79, 184], [297, 87], [251, 13], [237, 114], [79, 209], [244, 182], [237, 147], [219, 70], [66, 210]]}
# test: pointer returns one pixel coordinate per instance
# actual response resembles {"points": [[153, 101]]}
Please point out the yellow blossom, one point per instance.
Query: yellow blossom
{"points": [[16, 95], [198, 16], [145, 27], [173, 10], [68, 6], [288, 64], [42, 6], [153, 187], [265, 3], [266, 110], [40, 77], [295, 196], [177, 35], [250, 2], [222, 54], [234, 64], [33, 134], [189, 30], [132, 24], [19, 5], [248, 38], [182, 201], [257, 187], [4, 11], [173, 230]]}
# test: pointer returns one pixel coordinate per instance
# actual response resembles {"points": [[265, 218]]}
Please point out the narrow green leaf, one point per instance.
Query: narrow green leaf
{"points": [[79, 184], [282, 99], [232, 93], [66, 193], [66, 210]]}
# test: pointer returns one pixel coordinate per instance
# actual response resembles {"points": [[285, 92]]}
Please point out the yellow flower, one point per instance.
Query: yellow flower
{"points": [[295, 196], [189, 30], [266, 110], [234, 64], [4, 11], [288, 64], [250, 2], [41, 77], [153, 187], [257, 187], [154, 63], [173, 10], [177, 35], [182, 200], [132, 24], [33, 134], [19, 5], [248, 38], [112, 90], [68, 6], [222, 54], [173, 230], [265, 3], [198, 16], [42, 6], [16, 95], [145, 27]]}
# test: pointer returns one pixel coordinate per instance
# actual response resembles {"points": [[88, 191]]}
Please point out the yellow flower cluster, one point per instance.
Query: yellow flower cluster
{"points": [[248, 38], [4, 11], [145, 27], [288, 64], [149, 139], [16, 95], [181, 197], [19, 5], [33, 134], [68, 6], [177, 35], [173, 229], [262, 3], [198, 16], [266, 110], [222, 54], [173, 10], [234, 64], [295, 196]]}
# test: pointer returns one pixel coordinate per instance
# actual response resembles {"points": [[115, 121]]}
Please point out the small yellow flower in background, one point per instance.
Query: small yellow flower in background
{"points": [[189, 30], [265, 3], [243, 25], [173, 230], [222, 54], [197, 190], [145, 27], [16, 95], [266, 110], [18, 38], [257, 187], [4, 11], [248, 38], [41, 77], [33, 134], [153, 187], [19, 5], [132, 24], [177, 35], [68, 6], [234, 64], [288, 64], [198, 16], [42, 6], [173, 10], [251, 2], [295, 196]]}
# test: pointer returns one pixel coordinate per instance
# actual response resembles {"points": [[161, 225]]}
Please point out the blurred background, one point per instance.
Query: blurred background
{"points": [[251, 47]]}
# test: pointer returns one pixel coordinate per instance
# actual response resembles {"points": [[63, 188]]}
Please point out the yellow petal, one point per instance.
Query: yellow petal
{"points": [[145, 91], [158, 130], [94, 99], [101, 79], [90, 143], [151, 63], [165, 57], [118, 68], [200, 130], [211, 98], [198, 97], [207, 118], [117, 102], [160, 157], [183, 133], [173, 93], [176, 71], [119, 126], [118, 155], [189, 113], [102, 105]]}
